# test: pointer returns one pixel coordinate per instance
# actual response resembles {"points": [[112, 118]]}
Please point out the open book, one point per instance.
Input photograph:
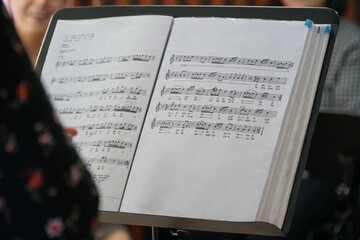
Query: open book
{"points": [[188, 122]]}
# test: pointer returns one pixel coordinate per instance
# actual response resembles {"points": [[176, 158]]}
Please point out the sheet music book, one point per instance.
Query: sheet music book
{"points": [[189, 122]]}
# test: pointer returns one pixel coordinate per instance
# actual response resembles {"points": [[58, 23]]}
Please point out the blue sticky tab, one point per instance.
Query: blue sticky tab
{"points": [[327, 29], [309, 23], [318, 29]]}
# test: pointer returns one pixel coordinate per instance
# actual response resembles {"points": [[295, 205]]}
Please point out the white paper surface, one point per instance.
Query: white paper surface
{"points": [[214, 119], [100, 74]]}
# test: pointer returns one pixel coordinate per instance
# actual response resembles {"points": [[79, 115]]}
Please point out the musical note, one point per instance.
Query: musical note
{"points": [[106, 160], [220, 77], [179, 90], [101, 77], [216, 109], [109, 144], [100, 108], [201, 125], [106, 91], [232, 60], [91, 61], [107, 125]]}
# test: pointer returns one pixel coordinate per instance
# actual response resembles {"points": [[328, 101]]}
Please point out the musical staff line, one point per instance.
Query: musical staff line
{"points": [[251, 94], [91, 61], [101, 108], [201, 125], [106, 91], [216, 109], [110, 144], [106, 160], [101, 77], [220, 77], [232, 60], [107, 125]]}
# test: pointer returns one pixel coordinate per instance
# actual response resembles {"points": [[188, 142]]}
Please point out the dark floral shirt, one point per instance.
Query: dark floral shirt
{"points": [[45, 190]]}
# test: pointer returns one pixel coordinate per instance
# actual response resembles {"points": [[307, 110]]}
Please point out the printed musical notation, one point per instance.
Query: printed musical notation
{"points": [[91, 61], [100, 143], [106, 91], [101, 108], [220, 77], [101, 77], [232, 60], [106, 160], [201, 125], [108, 125], [251, 94], [216, 109]]}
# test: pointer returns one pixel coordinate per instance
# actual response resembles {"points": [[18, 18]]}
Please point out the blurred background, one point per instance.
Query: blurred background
{"points": [[352, 11]]}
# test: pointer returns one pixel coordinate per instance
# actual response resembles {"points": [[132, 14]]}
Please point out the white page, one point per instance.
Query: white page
{"points": [[217, 173], [100, 74]]}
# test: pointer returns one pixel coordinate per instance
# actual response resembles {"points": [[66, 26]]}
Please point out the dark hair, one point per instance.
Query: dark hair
{"points": [[338, 5]]}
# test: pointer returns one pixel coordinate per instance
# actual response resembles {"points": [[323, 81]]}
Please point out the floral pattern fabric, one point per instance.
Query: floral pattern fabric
{"points": [[45, 189]]}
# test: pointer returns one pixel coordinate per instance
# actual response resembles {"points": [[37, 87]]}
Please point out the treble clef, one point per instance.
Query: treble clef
{"points": [[162, 91], [167, 75], [158, 107], [153, 123]]}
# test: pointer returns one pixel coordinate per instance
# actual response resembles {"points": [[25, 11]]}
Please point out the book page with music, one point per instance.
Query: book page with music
{"points": [[214, 118], [100, 74]]}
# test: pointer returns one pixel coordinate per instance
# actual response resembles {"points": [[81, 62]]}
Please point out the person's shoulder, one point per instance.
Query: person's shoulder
{"points": [[349, 33], [349, 26]]}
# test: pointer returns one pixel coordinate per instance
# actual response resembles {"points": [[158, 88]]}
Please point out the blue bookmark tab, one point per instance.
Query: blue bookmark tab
{"points": [[318, 29], [309, 23], [327, 29]]}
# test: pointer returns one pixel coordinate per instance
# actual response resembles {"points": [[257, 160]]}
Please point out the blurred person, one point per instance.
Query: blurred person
{"points": [[46, 191], [31, 19], [109, 231], [304, 3]]}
